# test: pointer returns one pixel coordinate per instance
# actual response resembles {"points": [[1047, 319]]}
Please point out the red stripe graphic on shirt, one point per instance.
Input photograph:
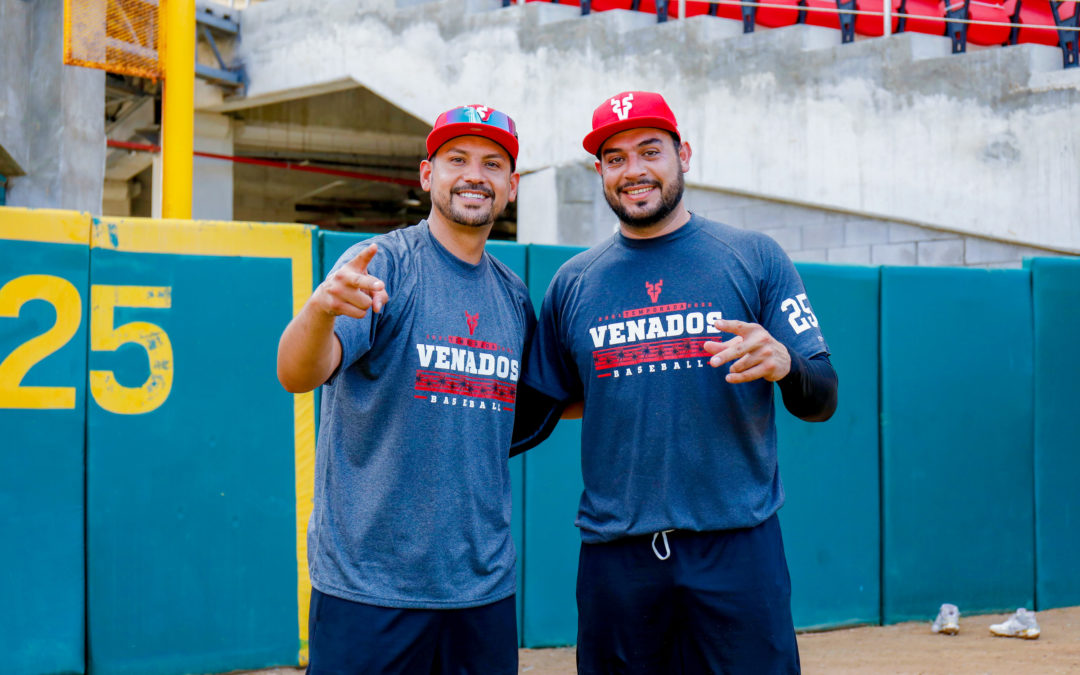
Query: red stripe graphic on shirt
{"points": [[461, 385], [469, 342], [661, 350], [658, 309]]}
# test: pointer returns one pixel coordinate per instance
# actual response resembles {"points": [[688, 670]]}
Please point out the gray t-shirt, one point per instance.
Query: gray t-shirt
{"points": [[412, 490]]}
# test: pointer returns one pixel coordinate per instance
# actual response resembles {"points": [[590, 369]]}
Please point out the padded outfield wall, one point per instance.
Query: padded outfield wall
{"points": [[155, 479]]}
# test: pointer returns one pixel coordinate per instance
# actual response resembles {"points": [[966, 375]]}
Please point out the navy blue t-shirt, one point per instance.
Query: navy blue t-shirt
{"points": [[667, 442], [412, 489]]}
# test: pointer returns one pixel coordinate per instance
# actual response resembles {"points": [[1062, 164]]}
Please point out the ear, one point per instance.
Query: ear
{"points": [[425, 175], [598, 168], [514, 178], [684, 156]]}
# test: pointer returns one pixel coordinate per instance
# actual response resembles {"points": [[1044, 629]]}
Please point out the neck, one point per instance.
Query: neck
{"points": [[465, 242], [673, 221]]}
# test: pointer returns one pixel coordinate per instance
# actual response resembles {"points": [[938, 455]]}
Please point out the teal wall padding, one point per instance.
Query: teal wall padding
{"points": [[831, 520], [334, 244], [956, 429], [191, 541], [1056, 298], [514, 256], [552, 491], [41, 471], [188, 563]]}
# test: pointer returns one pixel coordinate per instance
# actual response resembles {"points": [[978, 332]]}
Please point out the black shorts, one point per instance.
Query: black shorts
{"points": [[346, 638], [719, 603]]}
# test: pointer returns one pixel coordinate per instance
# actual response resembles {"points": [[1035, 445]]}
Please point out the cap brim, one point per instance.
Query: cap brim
{"points": [[597, 137], [437, 138]]}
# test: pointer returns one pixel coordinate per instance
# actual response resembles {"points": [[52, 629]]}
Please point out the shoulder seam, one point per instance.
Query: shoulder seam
{"points": [[736, 252]]}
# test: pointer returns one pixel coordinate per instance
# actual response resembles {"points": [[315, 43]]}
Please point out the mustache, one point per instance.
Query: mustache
{"points": [[484, 190], [644, 183]]}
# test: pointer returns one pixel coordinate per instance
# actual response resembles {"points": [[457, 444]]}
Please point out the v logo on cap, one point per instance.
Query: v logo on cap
{"points": [[622, 108]]}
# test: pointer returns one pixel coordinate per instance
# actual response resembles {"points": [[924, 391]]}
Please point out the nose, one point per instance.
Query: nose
{"points": [[473, 172], [635, 166]]}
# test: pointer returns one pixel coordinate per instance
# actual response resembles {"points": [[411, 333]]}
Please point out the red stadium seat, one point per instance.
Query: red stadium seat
{"points": [[728, 11], [925, 16], [774, 18], [870, 25], [829, 19], [1038, 13], [596, 6], [989, 10]]}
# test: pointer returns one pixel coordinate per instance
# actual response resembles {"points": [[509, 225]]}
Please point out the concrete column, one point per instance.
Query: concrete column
{"points": [[14, 81], [157, 179], [212, 190], [538, 213], [563, 205], [62, 121]]}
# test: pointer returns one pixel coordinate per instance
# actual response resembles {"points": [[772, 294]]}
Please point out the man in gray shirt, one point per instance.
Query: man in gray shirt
{"points": [[417, 339]]}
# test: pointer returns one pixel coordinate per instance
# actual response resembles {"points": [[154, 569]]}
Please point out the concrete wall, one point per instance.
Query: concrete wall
{"points": [[981, 144], [212, 188], [51, 121], [565, 205], [14, 81]]}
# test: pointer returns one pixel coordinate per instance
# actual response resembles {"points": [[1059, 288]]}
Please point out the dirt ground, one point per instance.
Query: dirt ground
{"points": [[900, 649]]}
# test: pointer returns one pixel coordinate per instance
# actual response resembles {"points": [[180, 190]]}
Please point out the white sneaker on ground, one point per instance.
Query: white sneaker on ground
{"points": [[1022, 624], [947, 621]]}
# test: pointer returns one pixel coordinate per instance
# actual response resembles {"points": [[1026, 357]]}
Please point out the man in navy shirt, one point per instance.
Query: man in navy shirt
{"points": [[672, 333], [418, 339]]}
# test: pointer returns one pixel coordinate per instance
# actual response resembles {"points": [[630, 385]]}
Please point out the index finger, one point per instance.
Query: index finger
{"points": [[733, 326], [360, 262]]}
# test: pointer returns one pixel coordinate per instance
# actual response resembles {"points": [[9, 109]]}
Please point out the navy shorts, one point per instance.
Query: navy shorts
{"points": [[719, 603], [347, 638]]}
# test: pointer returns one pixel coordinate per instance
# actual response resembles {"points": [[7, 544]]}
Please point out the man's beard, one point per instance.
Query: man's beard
{"points": [[670, 196], [465, 216]]}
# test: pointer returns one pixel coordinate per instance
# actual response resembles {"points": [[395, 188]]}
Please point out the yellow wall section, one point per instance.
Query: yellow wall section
{"points": [[52, 227], [258, 240]]}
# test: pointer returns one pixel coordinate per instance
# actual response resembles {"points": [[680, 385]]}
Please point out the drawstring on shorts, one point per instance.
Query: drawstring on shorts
{"points": [[667, 547]]}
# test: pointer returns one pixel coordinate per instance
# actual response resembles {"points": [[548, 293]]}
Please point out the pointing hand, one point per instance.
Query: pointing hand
{"points": [[351, 291], [758, 354]]}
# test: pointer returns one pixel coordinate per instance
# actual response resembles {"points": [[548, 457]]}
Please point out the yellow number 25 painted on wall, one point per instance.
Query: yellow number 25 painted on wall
{"points": [[104, 336]]}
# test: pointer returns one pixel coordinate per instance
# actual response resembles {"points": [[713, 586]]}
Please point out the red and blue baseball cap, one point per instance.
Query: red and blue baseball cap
{"points": [[474, 120], [629, 110]]}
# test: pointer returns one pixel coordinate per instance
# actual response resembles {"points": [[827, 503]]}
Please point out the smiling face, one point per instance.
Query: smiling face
{"points": [[642, 170], [470, 181]]}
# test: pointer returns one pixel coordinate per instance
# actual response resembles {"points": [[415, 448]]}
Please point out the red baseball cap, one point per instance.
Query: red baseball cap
{"points": [[474, 120], [629, 110]]}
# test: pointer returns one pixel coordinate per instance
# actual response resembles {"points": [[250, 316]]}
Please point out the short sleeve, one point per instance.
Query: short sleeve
{"points": [[550, 366], [786, 311], [358, 335]]}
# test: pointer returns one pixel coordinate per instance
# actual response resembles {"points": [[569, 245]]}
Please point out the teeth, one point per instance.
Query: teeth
{"points": [[473, 195], [638, 191]]}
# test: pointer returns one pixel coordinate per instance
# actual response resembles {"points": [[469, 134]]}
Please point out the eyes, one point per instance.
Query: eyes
{"points": [[491, 164], [617, 159]]}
